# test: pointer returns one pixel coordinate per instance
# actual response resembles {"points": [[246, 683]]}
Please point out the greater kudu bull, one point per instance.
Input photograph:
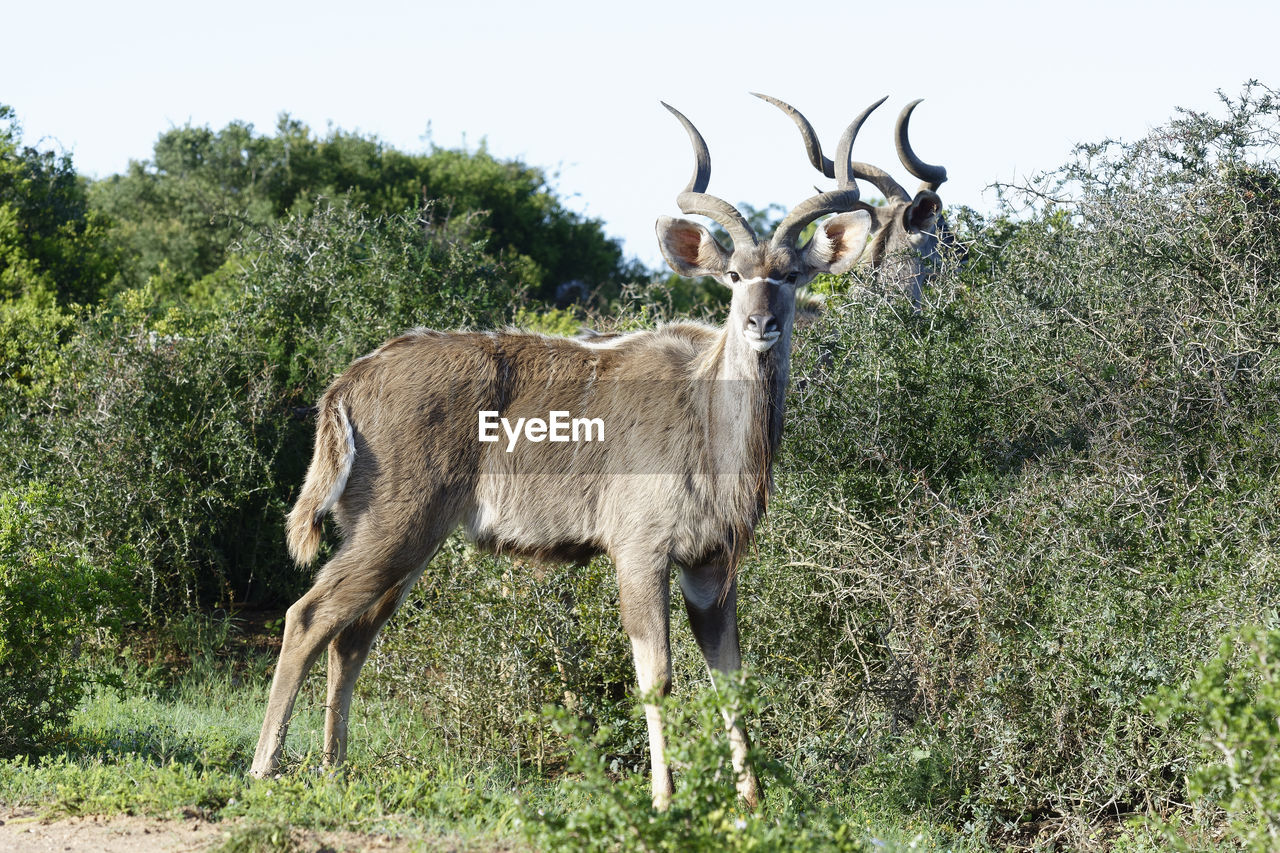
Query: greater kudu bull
{"points": [[692, 418]]}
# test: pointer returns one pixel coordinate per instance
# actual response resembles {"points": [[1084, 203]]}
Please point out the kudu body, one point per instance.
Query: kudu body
{"points": [[907, 232], [692, 419]]}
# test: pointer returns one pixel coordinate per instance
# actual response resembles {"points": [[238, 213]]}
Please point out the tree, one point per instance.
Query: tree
{"points": [[52, 245], [179, 213]]}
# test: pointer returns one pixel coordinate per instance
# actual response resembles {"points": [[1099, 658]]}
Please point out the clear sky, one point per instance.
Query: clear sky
{"points": [[575, 87]]}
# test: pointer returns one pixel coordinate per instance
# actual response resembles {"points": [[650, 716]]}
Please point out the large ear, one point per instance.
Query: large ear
{"points": [[690, 249], [922, 213], [837, 242]]}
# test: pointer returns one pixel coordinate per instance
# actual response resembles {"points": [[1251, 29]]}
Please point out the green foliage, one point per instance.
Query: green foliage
{"points": [[1233, 707], [31, 342], [551, 321], [180, 215], [56, 607], [184, 432], [552, 637], [1000, 523], [678, 296], [52, 246]]}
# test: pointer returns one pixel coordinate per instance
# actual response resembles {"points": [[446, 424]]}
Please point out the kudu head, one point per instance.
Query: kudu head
{"points": [[763, 274], [908, 230]]}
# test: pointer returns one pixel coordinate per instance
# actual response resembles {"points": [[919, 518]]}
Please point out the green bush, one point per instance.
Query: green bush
{"points": [[184, 433], [55, 608], [551, 636], [1232, 706], [31, 341], [177, 217], [999, 523]]}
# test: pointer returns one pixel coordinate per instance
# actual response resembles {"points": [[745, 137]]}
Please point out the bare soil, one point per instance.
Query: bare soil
{"points": [[23, 831]]}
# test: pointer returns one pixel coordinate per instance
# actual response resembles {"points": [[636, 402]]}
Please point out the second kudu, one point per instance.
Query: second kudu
{"points": [[692, 418], [907, 232]]}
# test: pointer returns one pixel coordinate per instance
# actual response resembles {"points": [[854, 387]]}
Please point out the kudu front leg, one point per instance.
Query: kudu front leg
{"points": [[644, 593], [713, 615]]}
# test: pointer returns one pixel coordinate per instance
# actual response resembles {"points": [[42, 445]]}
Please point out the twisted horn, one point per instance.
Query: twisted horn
{"points": [[874, 175], [695, 200], [811, 144], [932, 176], [845, 197]]}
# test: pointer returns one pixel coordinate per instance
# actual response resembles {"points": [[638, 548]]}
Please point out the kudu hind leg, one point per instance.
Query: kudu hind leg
{"points": [[347, 653], [713, 615], [348, 586]]}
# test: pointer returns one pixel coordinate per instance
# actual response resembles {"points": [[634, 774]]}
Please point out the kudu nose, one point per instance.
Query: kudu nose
{"points": [[762, 324]]}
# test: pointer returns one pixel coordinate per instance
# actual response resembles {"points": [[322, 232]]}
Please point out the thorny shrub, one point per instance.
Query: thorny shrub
{"points": [[1048, 495]]}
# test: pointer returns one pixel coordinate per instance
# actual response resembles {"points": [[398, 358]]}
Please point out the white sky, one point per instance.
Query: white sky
{"points": [[574, 87]]}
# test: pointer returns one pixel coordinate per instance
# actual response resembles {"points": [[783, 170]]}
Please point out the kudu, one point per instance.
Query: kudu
{"points": [[692, 419], [907, 231]]}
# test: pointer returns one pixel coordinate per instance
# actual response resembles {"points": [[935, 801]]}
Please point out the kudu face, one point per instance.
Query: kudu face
{"points": [[763, 278], [908, 231], [763, 275]]}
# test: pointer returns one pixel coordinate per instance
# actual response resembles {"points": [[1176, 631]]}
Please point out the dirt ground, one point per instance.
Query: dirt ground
{"points": [[22, 831]]}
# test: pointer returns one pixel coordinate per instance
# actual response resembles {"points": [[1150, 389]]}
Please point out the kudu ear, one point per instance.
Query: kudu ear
{"points": [[690, 249], [837, 242], [922, 213]]}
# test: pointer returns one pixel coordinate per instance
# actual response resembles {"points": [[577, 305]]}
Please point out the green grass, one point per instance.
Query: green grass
{"points": [[160, 751], [173, 745]]}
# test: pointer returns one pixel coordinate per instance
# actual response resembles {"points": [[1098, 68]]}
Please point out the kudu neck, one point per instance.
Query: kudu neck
{"points": [[737, 360], [748, 397]]}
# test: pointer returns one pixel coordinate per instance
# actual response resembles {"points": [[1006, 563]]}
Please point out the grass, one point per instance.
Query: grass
{"points": [[177, 741], [165, 752]]}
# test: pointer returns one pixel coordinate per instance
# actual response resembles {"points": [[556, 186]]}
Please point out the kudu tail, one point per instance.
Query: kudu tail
{"points": [[326, 479]]}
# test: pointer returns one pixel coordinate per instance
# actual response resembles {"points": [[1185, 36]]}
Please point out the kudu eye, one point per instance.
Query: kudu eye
{"points": [[792, 277], [734, 277]]}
